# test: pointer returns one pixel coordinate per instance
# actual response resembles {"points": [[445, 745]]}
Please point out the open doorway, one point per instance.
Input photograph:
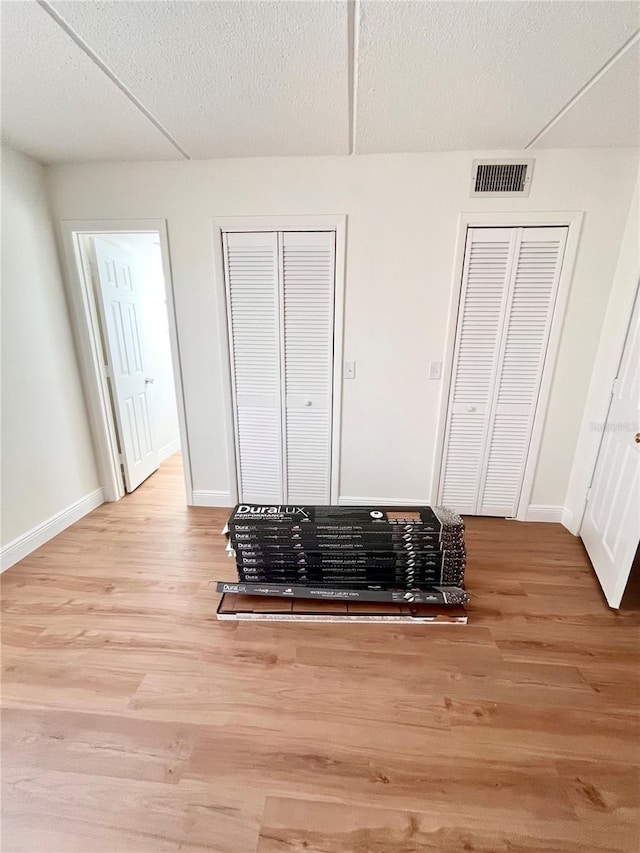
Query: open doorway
{"points": [[122, 297]]}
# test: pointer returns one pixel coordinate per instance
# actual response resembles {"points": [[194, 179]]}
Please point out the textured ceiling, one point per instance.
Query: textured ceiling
{"points": [[445, 74], [58, 105], [229, 79], [167, 80], [614, 100]]}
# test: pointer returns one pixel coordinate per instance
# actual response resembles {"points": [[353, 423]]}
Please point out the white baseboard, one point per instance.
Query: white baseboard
{"points": [[545, 512], [169, 449], [569, 521], [24, 545], [212, 498], [351, 501]]}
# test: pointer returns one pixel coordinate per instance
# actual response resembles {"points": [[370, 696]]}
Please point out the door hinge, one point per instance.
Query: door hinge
{"points": [[121, 458], [614, 387], [107, 371], [588, 497]]}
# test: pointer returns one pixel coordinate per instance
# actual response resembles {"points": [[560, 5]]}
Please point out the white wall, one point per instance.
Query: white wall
{"points": [[47, 455], [401, 235], [605, 368], [145, 249]]}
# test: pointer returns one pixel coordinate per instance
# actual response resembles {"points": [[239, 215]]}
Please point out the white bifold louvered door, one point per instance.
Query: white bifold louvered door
{"points": [[252, 272], [280, 290], [509, 287], [308, 275]]}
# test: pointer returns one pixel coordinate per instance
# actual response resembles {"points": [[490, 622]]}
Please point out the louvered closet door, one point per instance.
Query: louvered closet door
{"points": [[308, 276], [509, 289], [251, 261], [535, 276], [487, 268]]}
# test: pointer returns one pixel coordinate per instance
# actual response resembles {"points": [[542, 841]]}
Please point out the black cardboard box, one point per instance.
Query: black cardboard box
{"points": [[247, 517], [436, 595]]}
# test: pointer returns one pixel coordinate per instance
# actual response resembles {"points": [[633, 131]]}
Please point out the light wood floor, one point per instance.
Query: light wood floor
{"points": [[134, 721]]}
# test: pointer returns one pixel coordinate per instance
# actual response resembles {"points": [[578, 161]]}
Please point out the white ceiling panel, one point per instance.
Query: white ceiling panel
{"points": [[607, 114], [162, 79], [56, 103], [229, 79], [462, 75]]}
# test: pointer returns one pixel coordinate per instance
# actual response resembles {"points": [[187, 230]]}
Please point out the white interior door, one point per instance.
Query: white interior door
{"points": [[308, 272], [280, 292], [535, 274], [509, 287], [251, 262], [485, 286], [119, 305], [611, 526]]}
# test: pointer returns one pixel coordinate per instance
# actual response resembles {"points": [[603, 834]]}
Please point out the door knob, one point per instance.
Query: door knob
{"points": [[308, 403], [471, 408], [148, 381], [636, 438]]}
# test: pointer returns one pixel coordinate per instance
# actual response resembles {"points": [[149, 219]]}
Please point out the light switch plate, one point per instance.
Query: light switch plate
{"points": [[435, 370], [349, 370]]}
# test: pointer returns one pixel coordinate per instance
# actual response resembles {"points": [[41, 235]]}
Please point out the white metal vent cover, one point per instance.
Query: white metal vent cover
{"points": [[501, 177]]}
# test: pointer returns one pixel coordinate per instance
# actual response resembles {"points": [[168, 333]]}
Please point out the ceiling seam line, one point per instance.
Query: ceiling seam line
{"points": [[84, 47], [354, 65], [584, 89]]}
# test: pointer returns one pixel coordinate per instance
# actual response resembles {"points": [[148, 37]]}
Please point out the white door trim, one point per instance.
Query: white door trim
{"points": [[573, 221], [337, 223], [86, 330]]}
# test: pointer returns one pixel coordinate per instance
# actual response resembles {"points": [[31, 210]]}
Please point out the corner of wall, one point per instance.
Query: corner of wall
{"points": [[40, 374]]}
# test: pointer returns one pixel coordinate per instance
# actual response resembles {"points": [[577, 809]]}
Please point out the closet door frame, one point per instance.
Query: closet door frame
{"points": [[336, 223], [573, 221]]}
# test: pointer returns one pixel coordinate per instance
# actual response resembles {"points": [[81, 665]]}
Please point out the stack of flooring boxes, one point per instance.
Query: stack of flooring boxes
{"points": [[366, 547]]}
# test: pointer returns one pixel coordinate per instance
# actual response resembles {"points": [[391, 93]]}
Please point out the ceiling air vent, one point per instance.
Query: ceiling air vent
{"points": [[501, 178]]}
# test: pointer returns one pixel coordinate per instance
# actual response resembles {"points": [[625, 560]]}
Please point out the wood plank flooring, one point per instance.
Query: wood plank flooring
{"points": [[134, 721]]}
